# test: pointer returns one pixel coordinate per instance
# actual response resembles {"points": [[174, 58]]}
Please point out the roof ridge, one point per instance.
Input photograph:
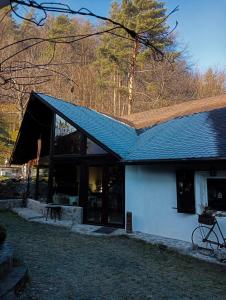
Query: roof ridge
{"points": [[160, 115]]}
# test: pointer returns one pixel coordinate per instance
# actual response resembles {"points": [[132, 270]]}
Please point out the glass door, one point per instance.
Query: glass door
{"points": [[105, 199], [114, 193], [95, 195]]}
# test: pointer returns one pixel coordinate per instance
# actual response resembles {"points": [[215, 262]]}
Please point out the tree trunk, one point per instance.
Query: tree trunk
{"points": [[21, 110], [131, 76], [114, 94], [119, 95]]}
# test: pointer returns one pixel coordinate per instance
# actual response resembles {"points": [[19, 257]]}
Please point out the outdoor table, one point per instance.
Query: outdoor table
{"points": [[54, 211]]}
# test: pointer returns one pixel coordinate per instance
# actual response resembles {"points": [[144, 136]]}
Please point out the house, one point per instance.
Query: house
{"points": [[164, 165]]}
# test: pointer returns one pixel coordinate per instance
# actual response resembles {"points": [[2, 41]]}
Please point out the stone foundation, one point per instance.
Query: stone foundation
{"points": [[69, 213]]}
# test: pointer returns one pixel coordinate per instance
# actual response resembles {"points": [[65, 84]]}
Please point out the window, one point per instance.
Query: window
{"points": [[93, 148], [67, 138], [42, 183], [217, 193], [66, 182], [185, 192], [31, 188]]}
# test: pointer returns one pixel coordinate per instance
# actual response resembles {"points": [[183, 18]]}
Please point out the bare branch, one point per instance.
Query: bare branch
{"points": [[45, 7]]}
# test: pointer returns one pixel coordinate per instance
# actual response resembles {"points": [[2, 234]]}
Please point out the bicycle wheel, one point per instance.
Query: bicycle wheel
{"points": [[198, 239]]}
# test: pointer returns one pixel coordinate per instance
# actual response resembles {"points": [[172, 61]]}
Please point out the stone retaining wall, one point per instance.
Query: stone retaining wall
{"points": [[11, 203], [70, 213], [74, 213], [37, 206]]}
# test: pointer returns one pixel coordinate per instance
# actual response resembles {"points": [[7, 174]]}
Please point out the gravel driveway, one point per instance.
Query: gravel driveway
{"points": [[64, 265]]}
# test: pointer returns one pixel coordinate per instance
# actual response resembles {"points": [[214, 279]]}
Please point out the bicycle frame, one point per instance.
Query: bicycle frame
{"points": [[206, 238]]}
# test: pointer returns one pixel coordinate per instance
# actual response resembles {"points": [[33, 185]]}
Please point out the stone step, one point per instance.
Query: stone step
{"points": [[6, 259], [12, 285]]}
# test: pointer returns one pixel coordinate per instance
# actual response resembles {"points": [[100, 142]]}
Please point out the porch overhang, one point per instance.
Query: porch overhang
{"points": [[36, 122]]}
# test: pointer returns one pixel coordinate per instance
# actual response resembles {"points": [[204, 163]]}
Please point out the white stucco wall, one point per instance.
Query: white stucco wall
{"points": [[151, 196]]}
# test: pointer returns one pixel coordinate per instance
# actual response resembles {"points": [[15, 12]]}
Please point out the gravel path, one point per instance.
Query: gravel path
{"points": [[64, 265]]}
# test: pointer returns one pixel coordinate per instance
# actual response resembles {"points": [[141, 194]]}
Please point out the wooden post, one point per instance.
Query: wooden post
{"points": [[51, 164], [129, 222]]}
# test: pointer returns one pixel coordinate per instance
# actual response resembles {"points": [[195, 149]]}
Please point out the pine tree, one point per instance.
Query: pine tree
{"points": [[120, 55], [61, 26]]}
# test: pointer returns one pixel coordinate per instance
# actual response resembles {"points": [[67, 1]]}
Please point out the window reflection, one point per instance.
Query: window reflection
{"points": [[95, 190], [217, 193], [67, 138], [93, 148], [114, 189], [43, 183], [31, 188], [66, 182]]}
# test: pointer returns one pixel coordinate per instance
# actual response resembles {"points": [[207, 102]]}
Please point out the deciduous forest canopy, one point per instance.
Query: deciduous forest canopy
{"points": [[108, 72]]}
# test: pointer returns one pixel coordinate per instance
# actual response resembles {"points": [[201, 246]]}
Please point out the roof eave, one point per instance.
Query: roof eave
{"points": [[176, 160]]}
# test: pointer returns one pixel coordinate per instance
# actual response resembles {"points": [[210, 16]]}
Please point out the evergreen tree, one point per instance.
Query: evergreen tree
{"points": [[61, 26], [123, 56]]}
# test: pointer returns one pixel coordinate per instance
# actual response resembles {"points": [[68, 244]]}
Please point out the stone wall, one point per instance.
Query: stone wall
{"points": [[37, 206], [74, 213], [11, 203], [70, 213]]}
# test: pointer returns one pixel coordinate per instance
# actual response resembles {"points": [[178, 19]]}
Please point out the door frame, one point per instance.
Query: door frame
{"points": [[84, 178]]}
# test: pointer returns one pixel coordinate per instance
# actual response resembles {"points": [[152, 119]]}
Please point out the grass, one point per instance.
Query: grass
{"points": [[65, 265]]}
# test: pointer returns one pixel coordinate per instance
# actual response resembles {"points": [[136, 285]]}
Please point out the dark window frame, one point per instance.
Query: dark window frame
{"points": [[219, 203], [83, 143], [185, 181]]}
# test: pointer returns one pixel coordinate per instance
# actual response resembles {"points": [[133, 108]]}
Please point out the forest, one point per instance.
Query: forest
{"points": [[70, 58]]}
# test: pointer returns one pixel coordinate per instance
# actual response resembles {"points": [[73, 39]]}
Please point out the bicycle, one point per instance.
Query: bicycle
{"points": [[204, 237]]}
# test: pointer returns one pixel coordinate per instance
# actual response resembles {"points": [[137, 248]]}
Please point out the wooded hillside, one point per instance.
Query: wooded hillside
{"points": [[110, 72]]}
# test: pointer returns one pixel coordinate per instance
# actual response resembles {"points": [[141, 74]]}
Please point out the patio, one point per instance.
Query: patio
{"points": [[66, 265]]}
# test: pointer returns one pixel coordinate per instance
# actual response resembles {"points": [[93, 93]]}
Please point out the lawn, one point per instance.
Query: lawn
{"points": [[64, 265]]}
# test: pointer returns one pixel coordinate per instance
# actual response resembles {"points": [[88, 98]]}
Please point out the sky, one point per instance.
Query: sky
{"points": [[201, 28]]}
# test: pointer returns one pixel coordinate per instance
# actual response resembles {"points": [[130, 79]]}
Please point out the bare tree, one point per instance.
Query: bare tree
{"points": [[45, 8]]}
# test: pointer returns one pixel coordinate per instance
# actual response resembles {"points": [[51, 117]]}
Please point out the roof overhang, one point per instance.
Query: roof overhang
{"points": [[37, 121]]}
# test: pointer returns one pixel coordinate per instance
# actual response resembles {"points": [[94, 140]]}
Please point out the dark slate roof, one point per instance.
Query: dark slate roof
{"points": [[159, 115], [111, 133], [198, 136]]}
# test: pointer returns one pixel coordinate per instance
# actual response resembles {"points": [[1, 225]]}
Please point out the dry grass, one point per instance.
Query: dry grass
{"points": [[65, 265]]}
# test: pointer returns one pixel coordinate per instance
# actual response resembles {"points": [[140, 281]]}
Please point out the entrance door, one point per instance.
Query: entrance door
{"points": [[114, 193], [105, 205], [95, 195]]}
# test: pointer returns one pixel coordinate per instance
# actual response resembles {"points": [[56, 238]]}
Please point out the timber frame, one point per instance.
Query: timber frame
{"points": [[39, 122]]}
